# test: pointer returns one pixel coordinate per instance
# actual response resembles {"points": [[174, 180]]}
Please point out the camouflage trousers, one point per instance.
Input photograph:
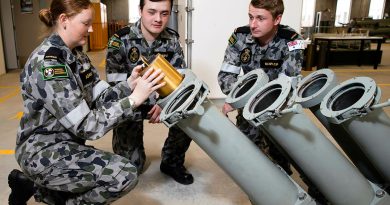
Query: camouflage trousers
{"points": [[259, 137], [78, 174], [127, 141]]}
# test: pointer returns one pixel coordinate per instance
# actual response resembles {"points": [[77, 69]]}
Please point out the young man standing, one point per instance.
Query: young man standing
{"points": [[147, 37], [267, 45], [277, 50]]}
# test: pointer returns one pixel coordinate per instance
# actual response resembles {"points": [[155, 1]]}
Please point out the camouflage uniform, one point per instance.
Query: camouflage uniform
{"points": [[123, 54], [243, 52], [65, 104]]}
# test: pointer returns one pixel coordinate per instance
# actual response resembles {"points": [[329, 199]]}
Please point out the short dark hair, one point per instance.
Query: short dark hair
{"points": [[142, 3], [276, 7]]}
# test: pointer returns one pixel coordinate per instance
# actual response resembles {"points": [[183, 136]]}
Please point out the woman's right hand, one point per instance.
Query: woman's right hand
{"points": [[135, 73], [146, 85]]}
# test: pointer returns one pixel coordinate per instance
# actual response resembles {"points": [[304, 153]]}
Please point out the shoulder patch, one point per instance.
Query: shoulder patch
{"points": [[123, 31], [114, 42], [232, 39], [53, 72], [53, 53], [285, 33], [243, 29], [171, 31]]}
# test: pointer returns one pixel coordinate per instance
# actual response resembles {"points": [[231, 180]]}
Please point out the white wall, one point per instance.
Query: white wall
{"points": [[2, 62], [213, 23]]}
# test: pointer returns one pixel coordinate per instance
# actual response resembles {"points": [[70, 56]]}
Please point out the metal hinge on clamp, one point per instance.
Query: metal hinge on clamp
{"points": [[198, 96]]}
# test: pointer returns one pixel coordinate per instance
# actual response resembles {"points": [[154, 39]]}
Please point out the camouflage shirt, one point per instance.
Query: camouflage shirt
{"points": [[64, 99], [284, 54], [128, 44]]}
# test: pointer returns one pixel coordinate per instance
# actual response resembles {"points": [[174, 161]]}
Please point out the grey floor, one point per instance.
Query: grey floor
{"points": [[212, 185]]}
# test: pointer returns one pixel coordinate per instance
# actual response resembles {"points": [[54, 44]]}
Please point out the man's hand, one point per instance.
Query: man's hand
{"points": [[154, 114], [226, 108]]}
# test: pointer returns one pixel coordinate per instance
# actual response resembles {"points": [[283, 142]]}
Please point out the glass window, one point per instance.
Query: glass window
{"points": [[133, 11], [343, 12], [377, 8], [308, 9]]}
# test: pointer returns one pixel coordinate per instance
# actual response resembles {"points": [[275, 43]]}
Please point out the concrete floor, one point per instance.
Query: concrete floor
{"points": [[212, 186]]}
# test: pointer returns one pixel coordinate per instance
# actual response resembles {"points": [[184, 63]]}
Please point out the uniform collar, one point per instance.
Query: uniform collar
{"points": [[250, 40], [57, 41], [136, 33]]}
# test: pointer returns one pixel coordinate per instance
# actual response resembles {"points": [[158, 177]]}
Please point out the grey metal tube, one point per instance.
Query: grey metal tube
{"points": [[337, 179], [239, 157], [173, 24], [320, 160], [310, 92], [351, 148], [354, 105], [262, 180], [372, 134], [189, 40]]}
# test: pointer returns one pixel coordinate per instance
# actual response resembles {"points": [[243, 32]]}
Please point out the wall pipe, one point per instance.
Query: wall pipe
{"points": [[173, 20], [189, 41]]}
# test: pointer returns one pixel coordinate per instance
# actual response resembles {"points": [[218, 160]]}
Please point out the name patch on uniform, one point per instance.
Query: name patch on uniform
{"points": [[50, 57], [86, 76], [271, 64], [53, 72], [134, 54], [245, 55], [232, 40], [297, 44], [114, 43], [167, 55]]}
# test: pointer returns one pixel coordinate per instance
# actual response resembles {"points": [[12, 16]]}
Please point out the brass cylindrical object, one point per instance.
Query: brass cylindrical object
{"points": [[172, 77]]}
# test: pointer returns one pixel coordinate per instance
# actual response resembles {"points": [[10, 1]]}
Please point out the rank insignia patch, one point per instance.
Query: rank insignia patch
{"points": [[232, 40], [114, 43], [246, 55], [53, 72], [134, 54]]}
